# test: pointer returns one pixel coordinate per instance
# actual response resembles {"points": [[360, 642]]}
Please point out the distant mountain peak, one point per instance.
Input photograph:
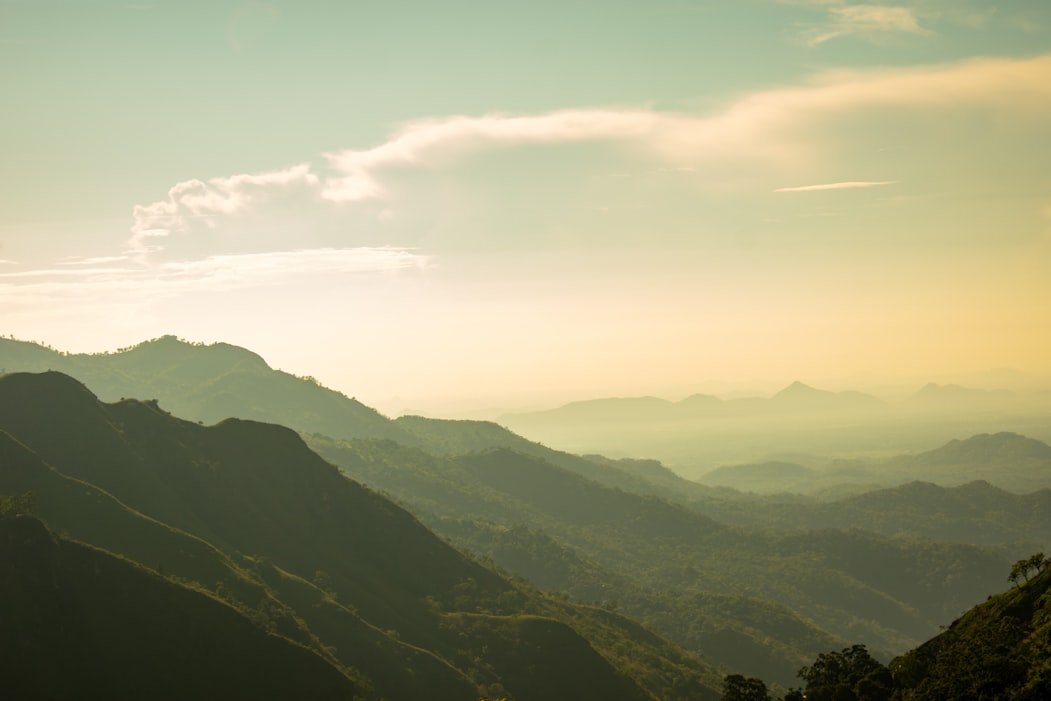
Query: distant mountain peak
{"points": [[991, 448], [800, 388], [802, 392]]}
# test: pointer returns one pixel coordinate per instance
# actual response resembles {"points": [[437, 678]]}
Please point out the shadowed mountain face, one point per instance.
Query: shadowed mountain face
{"points": [[80, 622], [287, 537]]}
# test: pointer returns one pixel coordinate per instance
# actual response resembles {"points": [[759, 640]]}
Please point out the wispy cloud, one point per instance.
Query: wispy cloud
{"points": [[755, 139], [203, 201], [865, 20], [210, 273], [848, 185]]}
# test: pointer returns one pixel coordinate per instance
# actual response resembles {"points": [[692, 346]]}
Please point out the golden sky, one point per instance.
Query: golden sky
{"points": [[501, 202]]}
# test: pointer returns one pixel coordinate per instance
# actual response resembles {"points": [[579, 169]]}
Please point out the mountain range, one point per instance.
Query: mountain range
{"points": [[701, 565], [245, 516], [1009, 460], [799, 424]]}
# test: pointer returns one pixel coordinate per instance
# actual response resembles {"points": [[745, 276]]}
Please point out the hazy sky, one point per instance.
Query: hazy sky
{"points": [[422, 203]]}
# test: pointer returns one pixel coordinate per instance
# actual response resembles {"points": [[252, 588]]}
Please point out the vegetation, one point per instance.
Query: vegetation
{"points": [[1021, 569], [243, 514], [81, 622], [1000, 649]]}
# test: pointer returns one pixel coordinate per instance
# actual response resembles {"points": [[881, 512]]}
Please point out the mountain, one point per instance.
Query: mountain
{"points": [[975, 513], [800, 397], [209, 383], [1007, 459], [794, 398], [771, 476], [80, 621], [1000, 649], [687, 574], [954, 397], [206, 383], [245, 511], [637, 532], [702, 433]]}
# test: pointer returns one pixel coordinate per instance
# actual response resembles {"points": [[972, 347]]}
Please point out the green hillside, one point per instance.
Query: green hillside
{"points": [[1001, 649], [976, 513], [80, 622], [761, 595], [760, 602], [205, 383], [302, 551]]}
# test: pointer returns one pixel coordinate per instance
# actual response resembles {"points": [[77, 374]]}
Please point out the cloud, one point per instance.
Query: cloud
{"points": [[204, 201], [754, 140], [848, 185], [211, 273], [870, 21], [446, 137], [865, 20]]}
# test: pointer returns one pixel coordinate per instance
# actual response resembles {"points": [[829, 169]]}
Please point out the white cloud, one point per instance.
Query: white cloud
{"points": [[749, 144], [848, 185], [211, 273], [437, 138], [204, 200]]}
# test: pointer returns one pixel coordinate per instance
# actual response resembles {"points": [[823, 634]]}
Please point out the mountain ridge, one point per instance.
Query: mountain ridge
{"points": [[272, 506]]}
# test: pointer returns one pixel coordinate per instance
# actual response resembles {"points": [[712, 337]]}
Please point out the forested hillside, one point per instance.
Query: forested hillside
{"points": [[757, 583], [246, 513]]}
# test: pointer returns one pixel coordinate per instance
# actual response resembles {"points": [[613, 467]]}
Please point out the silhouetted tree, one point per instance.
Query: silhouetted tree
{"points": [[1021, 569], [739, 688], [850, 675]]}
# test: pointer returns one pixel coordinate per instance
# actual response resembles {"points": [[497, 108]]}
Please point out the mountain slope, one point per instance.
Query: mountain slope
{"points": [[320, 542], [81, 622], [999, 649], [677, 568], [977, 513], [209, 383], [206, 383], [1006, 459]]}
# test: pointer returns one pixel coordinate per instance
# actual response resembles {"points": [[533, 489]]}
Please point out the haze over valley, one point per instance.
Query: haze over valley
{"points": [[499, 351]]}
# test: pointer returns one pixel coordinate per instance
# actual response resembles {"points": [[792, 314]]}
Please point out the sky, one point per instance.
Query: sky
{"points": [[443, 207]]}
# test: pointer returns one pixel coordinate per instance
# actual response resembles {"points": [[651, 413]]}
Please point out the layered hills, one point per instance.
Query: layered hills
{"points": [[800, 424], [242, 515], [1005, 459], [702, 565]]}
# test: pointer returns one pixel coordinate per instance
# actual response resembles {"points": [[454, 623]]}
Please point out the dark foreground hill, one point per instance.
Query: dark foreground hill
{"points": [[80, 622], [1000, 649], [246, 512]]}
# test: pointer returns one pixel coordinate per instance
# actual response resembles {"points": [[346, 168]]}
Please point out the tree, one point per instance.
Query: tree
{"points": [[1020, 569], [739, 688], [846, 676]]}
